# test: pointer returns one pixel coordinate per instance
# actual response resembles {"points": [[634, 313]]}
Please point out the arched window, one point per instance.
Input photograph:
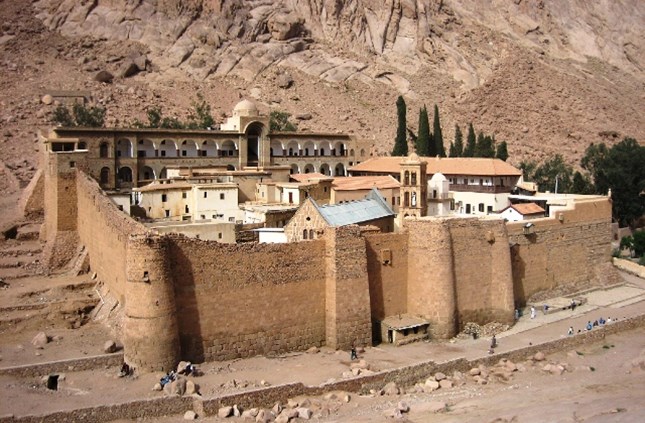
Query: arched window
{"points": [[304, 234], [414, 178], [103, 150], [406, 199], [311, 234], [105, 175], [82, 145], [406, 178]]}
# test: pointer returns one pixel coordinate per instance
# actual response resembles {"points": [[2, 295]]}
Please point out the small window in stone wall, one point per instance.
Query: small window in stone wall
{"points": [[184, 195], [167, 212], [221, 196], [164, 198], [72, 165], [304, 234], [219, 235], [205, 194], [311, 234]]}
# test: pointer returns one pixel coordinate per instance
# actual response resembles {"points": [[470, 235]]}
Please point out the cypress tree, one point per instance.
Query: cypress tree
{"points": [[457, 148], [471, 142], [485, 146], [502, 151], [423, 140], [437, 135], [401, 142]]}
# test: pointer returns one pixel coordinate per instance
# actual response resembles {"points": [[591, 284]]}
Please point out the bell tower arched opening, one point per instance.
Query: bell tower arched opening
{"points": [[253, 139]]}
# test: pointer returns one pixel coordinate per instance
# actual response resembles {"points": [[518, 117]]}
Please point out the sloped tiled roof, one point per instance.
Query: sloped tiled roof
{"points": [[352, 183], [354, 212], [303, 177], [527, 208], [446, 165]]}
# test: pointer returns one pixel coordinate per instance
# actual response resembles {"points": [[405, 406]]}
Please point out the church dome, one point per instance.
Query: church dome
{"points": [[245, 108], [438, 177]]}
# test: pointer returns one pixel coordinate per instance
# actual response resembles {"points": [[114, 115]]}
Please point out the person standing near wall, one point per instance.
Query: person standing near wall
{"points": [[532, 312]]}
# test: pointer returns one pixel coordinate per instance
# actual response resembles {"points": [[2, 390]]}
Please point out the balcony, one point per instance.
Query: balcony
{"points": [[485, 189]]}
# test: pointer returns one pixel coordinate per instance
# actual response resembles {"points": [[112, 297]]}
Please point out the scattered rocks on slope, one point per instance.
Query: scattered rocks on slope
{"points": [[40, 340]]}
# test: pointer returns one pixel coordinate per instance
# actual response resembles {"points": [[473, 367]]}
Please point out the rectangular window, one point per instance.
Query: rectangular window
{"points": [[163, 153], [221, 196], [231, 219], [186, 209], [167, 213], [467, 208], [489, 209], [184, 195], [72, 164], [205, 194], [481, 207], [183, 153], [219, 235], [164, 198]]}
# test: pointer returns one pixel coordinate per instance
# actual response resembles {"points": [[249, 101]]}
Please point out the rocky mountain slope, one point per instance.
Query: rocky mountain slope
{"points": [[546, 76]]}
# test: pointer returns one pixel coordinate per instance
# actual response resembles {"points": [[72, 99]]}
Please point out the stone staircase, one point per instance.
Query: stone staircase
{"points": [[21, 252]]}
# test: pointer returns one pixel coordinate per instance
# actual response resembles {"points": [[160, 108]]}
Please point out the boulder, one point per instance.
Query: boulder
{"points": [[474, 371], [403, 407], [303, 116], [284, 81], [128, 69], [224, 412], [40, 340], [250, 414], [141, 62], [237, 411], [176, 387], [109, 347], [47, 99], [191, 388], [264, 416], [511, 366], [104, 76], [293, 403], [430, 385], [439, 376], [539, 356], [361, 364], [391, 389], [157, 387], [190, 415], [182, 365], [445, 384], [393, 413], [277, 408], [313, 350], [436, 406], [304, 413], [347, 398], [356, 372]]}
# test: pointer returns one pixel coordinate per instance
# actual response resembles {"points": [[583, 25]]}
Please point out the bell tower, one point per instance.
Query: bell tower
{"points": [[414, 187]]}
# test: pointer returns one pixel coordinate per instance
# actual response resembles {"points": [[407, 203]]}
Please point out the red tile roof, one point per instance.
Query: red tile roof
{"points": [[527, 208], [353, 183], [445, 165]]}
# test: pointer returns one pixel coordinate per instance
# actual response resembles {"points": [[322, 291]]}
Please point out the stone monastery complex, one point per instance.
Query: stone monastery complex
{"points": [[241, 241]]}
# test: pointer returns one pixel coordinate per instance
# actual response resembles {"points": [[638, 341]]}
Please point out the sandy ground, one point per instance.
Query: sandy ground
{"points": [[612, 392]]}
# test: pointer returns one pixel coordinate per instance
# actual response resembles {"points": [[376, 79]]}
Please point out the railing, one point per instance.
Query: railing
{"points": [[489, 189]]}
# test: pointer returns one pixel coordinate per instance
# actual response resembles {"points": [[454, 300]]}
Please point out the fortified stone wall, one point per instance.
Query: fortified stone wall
{"points": [[104, 230], [561, 252], [484, 284], [388, 280], [243, 300]]}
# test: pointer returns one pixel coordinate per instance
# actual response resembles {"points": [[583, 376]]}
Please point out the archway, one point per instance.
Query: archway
{"points": [[324, 148], [293, 149], [339, 149], [124, 148], [105, 176], [294, 169], [253, 137], [339, 170], [209, 149], [309, 149], [168, 148], [188, 148], [145, 148], [163, 174], [277, 149], [230, 167], [228, 148], [104, 150], [125, 174], [325, 169], [309, 168], [146, 173]]}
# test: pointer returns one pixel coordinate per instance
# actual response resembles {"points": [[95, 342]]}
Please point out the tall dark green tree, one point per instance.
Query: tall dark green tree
{"points": [[502, 151], [457, 147], [581, 184], [619, 168], [423, 139], [401, 142], [485, 146], [471, 142], [437, 135]]}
